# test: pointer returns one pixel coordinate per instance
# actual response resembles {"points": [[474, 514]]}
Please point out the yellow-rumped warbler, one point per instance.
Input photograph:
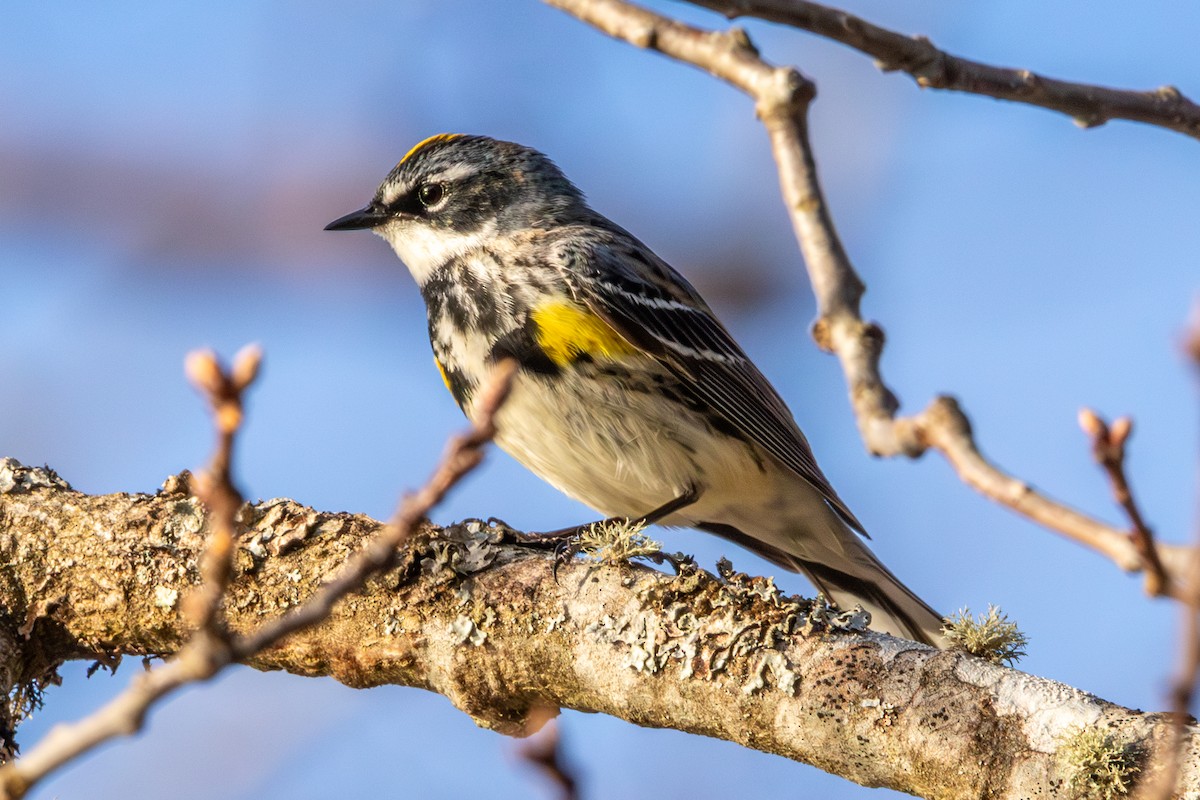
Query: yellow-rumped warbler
{"points": [[631, 395]]}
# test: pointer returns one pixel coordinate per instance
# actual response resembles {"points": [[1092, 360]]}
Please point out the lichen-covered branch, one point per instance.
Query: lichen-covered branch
{"points": [[782, 96], [486, 625], [212, 645], [932, 68], [206, 650]]}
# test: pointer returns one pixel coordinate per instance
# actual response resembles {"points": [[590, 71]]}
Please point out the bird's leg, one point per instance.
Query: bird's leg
{"points": [[553, 538], [690, 495], [565, 541]]}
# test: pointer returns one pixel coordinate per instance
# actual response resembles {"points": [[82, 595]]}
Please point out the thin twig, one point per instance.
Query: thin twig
{"points": [[544, 750], [224, 390], [782, 96], [1088, 105], [210, 650], [1108, 448], [207, 651], [122, 716], [463, 453], [1183, 686], [1184, 690]]}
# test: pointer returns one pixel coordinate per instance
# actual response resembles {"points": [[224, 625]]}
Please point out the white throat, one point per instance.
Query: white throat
{"points": [[423, 249]]}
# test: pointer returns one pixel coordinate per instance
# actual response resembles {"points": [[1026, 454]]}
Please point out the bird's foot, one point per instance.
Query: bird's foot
{"points": [[568, 542], [564, 542]]}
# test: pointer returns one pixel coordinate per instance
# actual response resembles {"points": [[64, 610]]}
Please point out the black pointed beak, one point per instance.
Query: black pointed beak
{"points": [[368, 217]]}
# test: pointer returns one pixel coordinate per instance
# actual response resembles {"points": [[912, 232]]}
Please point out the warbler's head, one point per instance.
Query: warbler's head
{"points": [[452, 193]]}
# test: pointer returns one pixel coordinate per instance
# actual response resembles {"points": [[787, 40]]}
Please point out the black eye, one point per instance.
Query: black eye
{"points": [[430, 194]]}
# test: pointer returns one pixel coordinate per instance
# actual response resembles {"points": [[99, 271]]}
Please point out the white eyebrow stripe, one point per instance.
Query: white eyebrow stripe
{"points": [[450, 174], [454, 172], [392, 191]]}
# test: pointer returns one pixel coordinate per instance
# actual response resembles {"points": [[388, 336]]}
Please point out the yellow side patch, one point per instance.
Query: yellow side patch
{"points": [[566, 330], [442, 372], [439, 137]]}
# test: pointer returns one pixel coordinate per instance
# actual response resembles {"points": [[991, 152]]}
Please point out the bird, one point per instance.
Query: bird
{"points": [[630, 395]]}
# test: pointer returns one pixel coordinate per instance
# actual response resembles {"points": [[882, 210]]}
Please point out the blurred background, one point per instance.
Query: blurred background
{"points": [[165, 173]]}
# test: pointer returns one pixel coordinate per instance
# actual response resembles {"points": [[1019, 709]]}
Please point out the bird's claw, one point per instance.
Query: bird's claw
{"points": [[566, 549]]}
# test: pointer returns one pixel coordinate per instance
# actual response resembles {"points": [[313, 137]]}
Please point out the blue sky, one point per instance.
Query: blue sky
{"points": [[165, 173]]}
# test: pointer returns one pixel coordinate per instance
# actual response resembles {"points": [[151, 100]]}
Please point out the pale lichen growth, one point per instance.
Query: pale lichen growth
{"points": [[617, 542], [460, 550], [165, 597], [772, 669], [823, 615], [465, 631], [16, 478], [734, 626], [993, 636], [1098, 766]]}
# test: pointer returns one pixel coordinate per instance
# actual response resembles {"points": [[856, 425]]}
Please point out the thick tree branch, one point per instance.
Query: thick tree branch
{"points": [[12, 708], [210, 647], [487, 626], [463, 454], [206, 651], [932, 68], [782, 97]]}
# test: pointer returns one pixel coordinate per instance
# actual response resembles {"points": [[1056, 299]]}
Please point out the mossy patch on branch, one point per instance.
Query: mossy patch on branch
{"points": [[1098, 765]]}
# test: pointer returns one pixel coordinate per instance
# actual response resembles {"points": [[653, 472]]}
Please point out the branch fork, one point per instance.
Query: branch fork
{"points": [[782, 98]]}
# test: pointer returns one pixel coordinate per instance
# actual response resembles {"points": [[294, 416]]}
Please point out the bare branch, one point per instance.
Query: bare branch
{"points": [[123, 716], [1089, 106], [206, 651], [214, 487], [486, 625], [1183, 685], [1108, 448], [782, 96], [463, 453], [209, 649], [544, 751]]}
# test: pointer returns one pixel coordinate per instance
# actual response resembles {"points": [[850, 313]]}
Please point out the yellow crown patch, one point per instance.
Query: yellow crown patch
{"points": [[566, 331], [438, 137]]}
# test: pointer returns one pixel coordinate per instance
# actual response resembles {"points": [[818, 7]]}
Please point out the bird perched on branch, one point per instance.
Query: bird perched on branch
{"points": [[631, 396]]}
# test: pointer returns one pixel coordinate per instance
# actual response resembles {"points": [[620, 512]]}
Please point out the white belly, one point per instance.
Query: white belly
{"points": [[626, 452]]}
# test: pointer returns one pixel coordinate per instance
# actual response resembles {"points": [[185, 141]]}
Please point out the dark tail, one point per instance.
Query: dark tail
{"points": [[894, 608]]}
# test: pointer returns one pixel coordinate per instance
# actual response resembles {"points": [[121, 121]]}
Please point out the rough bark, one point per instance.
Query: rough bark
{"points": [[488, 626]]}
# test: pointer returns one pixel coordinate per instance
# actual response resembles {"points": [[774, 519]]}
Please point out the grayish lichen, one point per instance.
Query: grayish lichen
{"points": [[465, 631], [708, 625], [15, 477], [462, 549], [781, 673]]}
